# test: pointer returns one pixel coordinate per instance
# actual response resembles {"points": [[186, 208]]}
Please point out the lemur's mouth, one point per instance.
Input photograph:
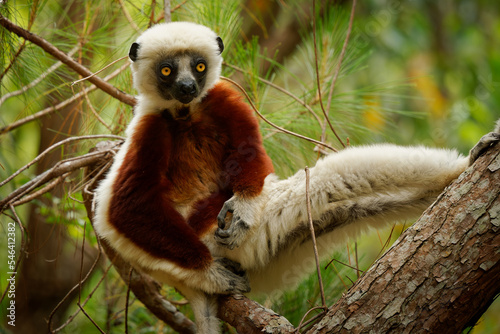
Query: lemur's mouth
{"points": [[185, 99]]}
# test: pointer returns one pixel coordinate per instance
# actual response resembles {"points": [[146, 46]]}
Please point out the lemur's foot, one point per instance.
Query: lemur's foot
{"points": [[231, 276], [484, 143], [232, 227]]}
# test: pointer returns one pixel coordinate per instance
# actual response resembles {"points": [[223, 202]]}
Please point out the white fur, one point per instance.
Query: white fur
{"points": [[168, 39]]}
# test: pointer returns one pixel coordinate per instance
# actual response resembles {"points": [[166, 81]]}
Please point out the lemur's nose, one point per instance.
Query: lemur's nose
{"points": [[187, 87]]}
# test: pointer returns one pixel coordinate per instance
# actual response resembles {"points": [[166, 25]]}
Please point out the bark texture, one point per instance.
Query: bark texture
{"points": [[249, 317], [441, 274]]}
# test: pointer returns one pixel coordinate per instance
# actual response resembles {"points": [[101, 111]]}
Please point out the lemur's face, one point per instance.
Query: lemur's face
{"points": [[175, 65], [181, 77]]}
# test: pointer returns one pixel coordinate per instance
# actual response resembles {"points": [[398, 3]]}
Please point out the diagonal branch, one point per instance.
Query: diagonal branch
{"points": [[65, 59]]}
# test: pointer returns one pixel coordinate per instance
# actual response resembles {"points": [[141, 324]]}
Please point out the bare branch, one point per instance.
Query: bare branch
{"points": [[77, 286], [272, 124], [53, 109], [56, 145], [71, 317], [127, 16], [281, 89], [166, 10], [249, 317], [42, 191], [61, 168]]}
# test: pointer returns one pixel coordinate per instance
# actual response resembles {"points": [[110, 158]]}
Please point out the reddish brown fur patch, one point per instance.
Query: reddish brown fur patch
{"points": [[199, 163], [139, 207]]}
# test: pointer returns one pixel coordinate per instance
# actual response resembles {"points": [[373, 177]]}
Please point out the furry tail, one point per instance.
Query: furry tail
{"points": [[350, 192]]}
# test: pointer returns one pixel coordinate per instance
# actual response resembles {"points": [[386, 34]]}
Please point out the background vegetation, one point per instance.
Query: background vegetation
{"points": [[414, 72]]}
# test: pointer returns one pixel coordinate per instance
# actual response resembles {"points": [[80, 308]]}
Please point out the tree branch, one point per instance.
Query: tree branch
{"points": [[249, 317], [431, 278], [75, 66]]}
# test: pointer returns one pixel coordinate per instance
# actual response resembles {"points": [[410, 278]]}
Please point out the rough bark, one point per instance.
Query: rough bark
{"points": [[441, 274], [249, 317]]}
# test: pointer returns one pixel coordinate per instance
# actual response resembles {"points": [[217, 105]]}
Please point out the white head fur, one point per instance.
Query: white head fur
{"points": [[167, 40]]}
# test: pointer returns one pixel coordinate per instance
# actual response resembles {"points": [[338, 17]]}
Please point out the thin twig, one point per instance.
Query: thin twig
{"points": [[96, 114], [356, 258], [35, 82], [42, 191], [345, 264], [272, 124], [127, 16], [304, 323], [53, 109], [31, 20], [60, 168], [90, 318], [318, 83], [71, 317], [313, 237], [102, 69], [56, 145], [77, 286], [316, 256], [75, 66], [281, 89], [337, 70], [166, 10]]}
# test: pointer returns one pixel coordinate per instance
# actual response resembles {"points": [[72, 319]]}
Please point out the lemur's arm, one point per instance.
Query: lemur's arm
{"points": [[138, 207], [247, 164]]}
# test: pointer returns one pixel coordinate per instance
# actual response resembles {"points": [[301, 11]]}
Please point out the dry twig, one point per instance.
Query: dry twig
{"points": [[272, 124]]}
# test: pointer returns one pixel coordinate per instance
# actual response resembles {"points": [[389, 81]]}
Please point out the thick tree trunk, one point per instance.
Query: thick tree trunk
{"points": [[441, 274]]}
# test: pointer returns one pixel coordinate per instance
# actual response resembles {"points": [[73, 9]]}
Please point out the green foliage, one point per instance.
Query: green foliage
{"points": [[401, 62]]}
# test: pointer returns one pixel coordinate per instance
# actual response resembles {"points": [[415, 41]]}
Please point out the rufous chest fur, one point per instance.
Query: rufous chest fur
{"points": [[199, 147]]}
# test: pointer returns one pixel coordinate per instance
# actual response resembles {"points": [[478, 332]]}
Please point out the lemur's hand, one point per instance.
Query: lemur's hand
{"points": [[232, 226], [484, 143]]}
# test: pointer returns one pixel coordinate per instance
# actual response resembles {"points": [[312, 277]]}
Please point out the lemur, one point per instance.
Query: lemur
{"points": [[191, 198]]}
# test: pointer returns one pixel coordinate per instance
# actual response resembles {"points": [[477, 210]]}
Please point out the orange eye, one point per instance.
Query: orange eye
{"points": [[165, 71], [200, 67]]}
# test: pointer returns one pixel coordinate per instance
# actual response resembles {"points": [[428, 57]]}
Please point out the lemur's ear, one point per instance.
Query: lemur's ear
{"points": [[133, 51], [221, 45]]}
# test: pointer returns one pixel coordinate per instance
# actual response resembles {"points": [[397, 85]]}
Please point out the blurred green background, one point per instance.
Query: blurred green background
{"points": [[414, 72]]}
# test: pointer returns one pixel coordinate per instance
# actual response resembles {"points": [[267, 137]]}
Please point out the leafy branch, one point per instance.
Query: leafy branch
{"points": [[68, 61]]}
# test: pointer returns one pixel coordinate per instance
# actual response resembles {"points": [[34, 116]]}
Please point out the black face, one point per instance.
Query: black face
{"points": [[181, 77]]}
